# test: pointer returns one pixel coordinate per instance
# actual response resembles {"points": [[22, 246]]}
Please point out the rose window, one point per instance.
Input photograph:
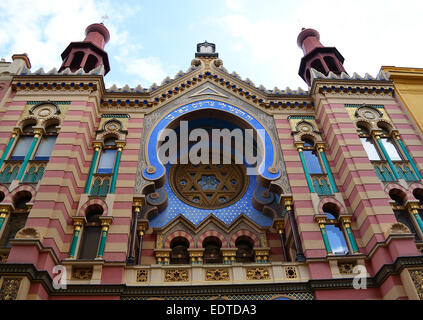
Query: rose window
{"points": [[208, 186]]}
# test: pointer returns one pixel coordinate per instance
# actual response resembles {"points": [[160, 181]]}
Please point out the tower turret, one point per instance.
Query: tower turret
{"points": [[88, 54], [317, 56]]}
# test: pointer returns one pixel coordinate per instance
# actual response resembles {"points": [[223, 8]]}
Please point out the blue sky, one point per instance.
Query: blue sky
{"points": [[257, 39]]}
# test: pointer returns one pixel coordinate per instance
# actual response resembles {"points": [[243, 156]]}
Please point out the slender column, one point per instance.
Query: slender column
{"points": [[294, 229], [322, 226], [4, 211], [404, 149], [347, 225], [21, 172], [140, 235], [105, 224], [77, 224], [142, 228], [303, 162], [279, 225], [131, 258], [413, 209], [120, 146], [8, 147], [97, 146], [386, 155], [321, 148]]}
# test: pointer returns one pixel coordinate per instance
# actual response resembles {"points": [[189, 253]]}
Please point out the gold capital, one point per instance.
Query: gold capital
{"points": [[321, 147]]}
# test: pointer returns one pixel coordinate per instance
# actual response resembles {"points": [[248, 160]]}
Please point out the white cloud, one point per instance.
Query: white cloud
{"points": [[368, 34], [148, 69], [235, 4]]}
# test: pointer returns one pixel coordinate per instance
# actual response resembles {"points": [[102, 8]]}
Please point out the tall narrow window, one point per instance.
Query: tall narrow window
{"points": [[17, 219], [22, 147], [335, 234], [91, 233], [311, 158], [45, 148], [108, 157], [368, 144]]}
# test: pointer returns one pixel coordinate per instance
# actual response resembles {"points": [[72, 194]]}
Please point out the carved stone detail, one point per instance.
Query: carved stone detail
{"points": [[417, 277], [346, 268], [142, 275], [291, 272], [219, 274], [9, 289], [176, 275], [397, 228], [28, 233], [82, 273], [258, 274]]}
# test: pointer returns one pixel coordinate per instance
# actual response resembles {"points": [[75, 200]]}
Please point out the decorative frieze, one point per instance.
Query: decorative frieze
{"points": [[346, 268], [84, 273], [291, 272], [258, 273], [10, 288], [417, 277], [176, 275], [219, 274], [142, 275]]}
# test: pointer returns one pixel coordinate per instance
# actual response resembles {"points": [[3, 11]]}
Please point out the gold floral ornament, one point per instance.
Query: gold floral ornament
{"points": [[417, 277], [219, 274], [346, 268], [82, 273], [142, 275], [9, 289], [258, 274], [209, 186], [176, 275]]}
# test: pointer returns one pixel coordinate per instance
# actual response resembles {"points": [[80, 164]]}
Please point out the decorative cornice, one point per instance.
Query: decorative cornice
{"points": [[123, 290]]}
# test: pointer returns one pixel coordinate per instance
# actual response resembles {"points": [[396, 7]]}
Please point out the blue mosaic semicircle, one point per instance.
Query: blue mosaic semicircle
{"points": [[152, 155], [196, 215]]}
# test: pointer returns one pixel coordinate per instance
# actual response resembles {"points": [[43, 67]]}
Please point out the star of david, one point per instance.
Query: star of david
{"points": [[208, 185]]}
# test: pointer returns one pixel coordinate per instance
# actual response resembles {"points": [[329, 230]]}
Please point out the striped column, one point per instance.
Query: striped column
{"points": [[303, 162], [404, 150], [77, 224], [28, 156], [97, 147], [105, 225], [4, 211], [413, 209], [385, 154], [321, 148], [8, 147], [346, 221], [321, 222], [120, 146]]}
